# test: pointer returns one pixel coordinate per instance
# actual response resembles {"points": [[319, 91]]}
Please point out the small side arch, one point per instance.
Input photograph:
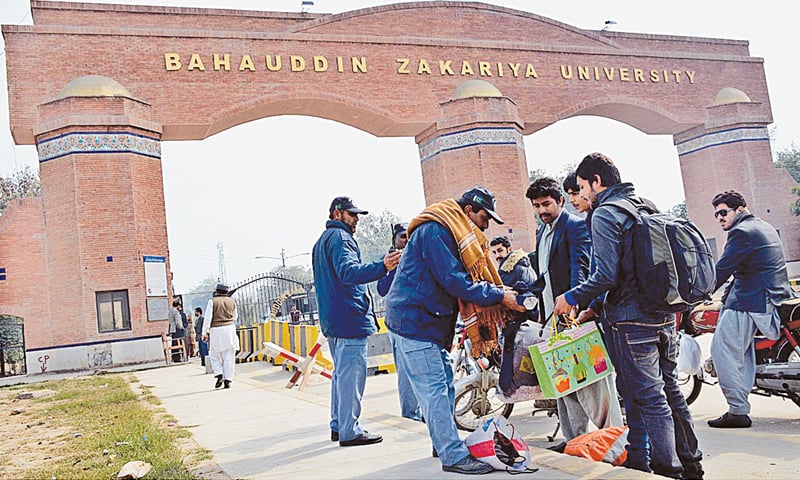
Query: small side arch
{"points": [[640, 114]]}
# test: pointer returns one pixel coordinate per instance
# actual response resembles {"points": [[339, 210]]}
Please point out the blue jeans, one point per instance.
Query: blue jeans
{"points": [[347, 385], [409, 405], [638, 445], [646, 356], [431, 378]]}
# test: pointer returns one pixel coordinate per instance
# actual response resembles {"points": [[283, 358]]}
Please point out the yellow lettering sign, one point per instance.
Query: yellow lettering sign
{"points": [[320, 63], [222, 62], [172, 61], [196, 62], [246, 63]]}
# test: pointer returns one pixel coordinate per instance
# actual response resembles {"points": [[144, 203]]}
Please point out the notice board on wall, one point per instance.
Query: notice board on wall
{"points": [[155, 275]]}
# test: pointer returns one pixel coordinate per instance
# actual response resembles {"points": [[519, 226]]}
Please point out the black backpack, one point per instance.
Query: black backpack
{"points": [[673, 264]]}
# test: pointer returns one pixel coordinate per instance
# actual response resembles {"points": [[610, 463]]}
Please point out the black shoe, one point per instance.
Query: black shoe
{"points": [[227, 384], [334, 436], [219, 381], [469, 466], [558, 447], [363, 439], [434, 453], [730, 420]]}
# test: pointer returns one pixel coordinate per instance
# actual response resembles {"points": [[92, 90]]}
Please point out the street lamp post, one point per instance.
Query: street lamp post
{"points": [[283, 256]]}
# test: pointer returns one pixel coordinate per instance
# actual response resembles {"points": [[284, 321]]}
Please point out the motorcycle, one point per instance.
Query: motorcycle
{"points": [[777, 361]]}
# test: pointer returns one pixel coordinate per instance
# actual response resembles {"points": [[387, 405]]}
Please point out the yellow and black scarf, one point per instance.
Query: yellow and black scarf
{"points": [[481, 323]]}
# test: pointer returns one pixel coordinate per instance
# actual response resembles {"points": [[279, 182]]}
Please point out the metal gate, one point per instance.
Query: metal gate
{"points": [[269, 296], [12, 346]]}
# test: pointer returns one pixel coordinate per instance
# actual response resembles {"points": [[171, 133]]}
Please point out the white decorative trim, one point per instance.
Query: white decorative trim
{"points": [[98, 142], [470, 138], [715, 139]]}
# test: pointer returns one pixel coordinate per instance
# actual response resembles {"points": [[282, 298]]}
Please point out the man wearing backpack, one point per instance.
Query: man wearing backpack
{"points": [[562, 258], [754, 256], [646, 342]]}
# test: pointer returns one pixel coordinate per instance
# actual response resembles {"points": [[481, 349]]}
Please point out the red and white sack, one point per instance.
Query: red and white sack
{"points": [[497, 443]]}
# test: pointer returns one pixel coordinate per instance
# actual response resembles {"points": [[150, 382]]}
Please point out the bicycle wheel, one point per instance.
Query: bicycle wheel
{"points": [[473, 406]]}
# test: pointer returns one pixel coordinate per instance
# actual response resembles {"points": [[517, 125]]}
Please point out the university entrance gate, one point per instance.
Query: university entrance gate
{"points": [[98, 87]]}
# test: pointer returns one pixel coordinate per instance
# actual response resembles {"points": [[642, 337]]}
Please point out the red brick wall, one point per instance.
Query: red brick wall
{"points": [[24, 292]]}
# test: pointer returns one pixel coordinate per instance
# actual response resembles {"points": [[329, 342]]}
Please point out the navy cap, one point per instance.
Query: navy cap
{"points": [[481, 198], [398, 228], [345, 203], [221, 287]]}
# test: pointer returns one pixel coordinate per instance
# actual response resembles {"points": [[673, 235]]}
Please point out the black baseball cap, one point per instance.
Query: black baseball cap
{"points": [[481, 198], [398, 228], [345, 203]]}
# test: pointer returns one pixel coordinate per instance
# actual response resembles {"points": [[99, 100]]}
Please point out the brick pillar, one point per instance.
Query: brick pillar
{"points": [[103, 198], [478, 141], [732, 152]]}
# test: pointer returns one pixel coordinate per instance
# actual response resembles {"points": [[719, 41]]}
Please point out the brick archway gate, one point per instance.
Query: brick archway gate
{"points": [[98, 87]]}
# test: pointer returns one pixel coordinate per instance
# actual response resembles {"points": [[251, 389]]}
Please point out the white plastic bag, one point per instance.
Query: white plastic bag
{"points": [[689, 356], [497, 443]]}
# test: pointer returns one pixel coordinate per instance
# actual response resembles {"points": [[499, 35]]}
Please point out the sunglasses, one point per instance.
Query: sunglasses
{"points": [[723, 212]]}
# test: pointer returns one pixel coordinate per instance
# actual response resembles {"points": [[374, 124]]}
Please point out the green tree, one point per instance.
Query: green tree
{"points": [[790, 160], [374, 234], [205, 285], [22, 183], [679, 210], [295, 272]]}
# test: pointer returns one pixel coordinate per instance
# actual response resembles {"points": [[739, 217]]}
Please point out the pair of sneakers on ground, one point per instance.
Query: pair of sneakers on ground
{"points": [[468, 465]]}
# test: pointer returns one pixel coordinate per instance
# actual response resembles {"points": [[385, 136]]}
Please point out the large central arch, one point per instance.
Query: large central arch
{"points": [[98, 87]]}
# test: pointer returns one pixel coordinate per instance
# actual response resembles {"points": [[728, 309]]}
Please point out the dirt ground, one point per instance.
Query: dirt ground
{"points": [[28, 439]]}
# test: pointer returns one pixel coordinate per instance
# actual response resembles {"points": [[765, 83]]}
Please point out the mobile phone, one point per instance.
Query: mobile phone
{"points": [[392, 249]]}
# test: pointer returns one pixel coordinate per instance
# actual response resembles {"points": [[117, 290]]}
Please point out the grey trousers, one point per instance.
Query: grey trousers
{"points": [[734, 355], [596, 403]]}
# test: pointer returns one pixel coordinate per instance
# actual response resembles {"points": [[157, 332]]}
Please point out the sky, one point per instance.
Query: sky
{"points": [[279, 201]]}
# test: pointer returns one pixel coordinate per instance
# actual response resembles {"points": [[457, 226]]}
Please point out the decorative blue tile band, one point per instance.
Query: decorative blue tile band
{"points": [[98, 142], [470, 138], [723, 137]]}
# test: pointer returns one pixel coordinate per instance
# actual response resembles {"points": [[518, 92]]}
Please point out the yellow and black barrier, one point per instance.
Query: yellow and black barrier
{"points": [[299, 339], [250, 341]]}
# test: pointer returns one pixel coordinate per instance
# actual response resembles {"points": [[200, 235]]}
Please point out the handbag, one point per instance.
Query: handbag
{"points": [[518, 382], [498, 444], [571, 359]]}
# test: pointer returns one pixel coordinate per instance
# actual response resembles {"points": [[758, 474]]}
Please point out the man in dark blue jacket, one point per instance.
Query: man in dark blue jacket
{"points": [[645, 342], [346, 316], [422, 308], [754, 256]]}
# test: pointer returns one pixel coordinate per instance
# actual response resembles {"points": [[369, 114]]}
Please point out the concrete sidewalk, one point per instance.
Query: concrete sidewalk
{"points": [[259, 429]]}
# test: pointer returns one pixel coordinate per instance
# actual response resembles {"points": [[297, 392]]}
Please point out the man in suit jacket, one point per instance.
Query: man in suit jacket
{"points": [[562, 258], [754, 256]]}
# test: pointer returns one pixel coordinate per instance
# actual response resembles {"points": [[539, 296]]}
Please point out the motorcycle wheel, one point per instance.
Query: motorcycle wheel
{"points": [[690, 386], [787, 354], [473, 406]]}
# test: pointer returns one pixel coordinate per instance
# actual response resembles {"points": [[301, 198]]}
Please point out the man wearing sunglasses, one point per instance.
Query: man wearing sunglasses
{"points": [[754, 256]]}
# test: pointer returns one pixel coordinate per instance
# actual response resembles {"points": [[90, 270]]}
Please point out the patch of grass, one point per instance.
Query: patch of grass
{"points": [[114, 428]]}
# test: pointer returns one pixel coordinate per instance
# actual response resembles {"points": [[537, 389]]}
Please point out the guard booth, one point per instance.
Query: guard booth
{"points": [[12, 346]]}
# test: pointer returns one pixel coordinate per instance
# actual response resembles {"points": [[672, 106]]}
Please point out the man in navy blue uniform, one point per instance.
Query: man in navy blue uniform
{"points": [[346, 316], [444, 269]]}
